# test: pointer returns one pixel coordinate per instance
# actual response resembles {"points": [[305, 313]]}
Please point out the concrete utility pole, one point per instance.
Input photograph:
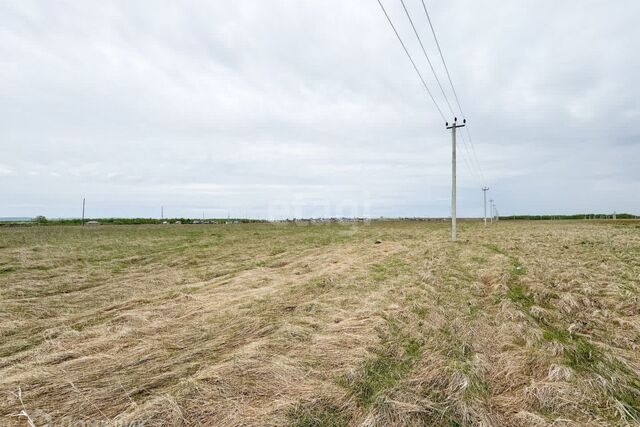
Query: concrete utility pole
{"points": [[83, 211], [161, 212], [484, 193], [491, 209], [453, 128]]}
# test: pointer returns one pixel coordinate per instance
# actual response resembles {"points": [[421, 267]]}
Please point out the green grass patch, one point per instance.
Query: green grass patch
{"points": [[518, 294], [387, 269], [517, 269], [317, 414], [559, 335], [584, 357], [379, 272], [384, 371], [420, 310], [496, 249], [461, 356], [8, 269], [20, 345], [387, 367], [321, 284]]}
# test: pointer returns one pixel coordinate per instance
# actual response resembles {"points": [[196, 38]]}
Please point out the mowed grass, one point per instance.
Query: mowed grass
{"points": [[519, 323]]}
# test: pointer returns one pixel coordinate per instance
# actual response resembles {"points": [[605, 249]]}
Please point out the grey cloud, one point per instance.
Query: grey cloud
{"points": [[237, 106]]}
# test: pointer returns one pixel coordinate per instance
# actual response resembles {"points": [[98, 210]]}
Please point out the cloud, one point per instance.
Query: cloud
{"points": [[238, 106]]}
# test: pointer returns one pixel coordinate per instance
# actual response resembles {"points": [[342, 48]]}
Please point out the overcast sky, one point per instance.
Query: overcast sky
{"points": [[283, 108]]}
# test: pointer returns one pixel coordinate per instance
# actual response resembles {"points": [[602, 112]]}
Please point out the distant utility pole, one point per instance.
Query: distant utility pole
{"points": [[161, 212], [484, 193], [453, 128], [491, 209], [83, 211]]}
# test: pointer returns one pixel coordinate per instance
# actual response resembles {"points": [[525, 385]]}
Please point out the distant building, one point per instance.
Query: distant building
{"points": [[92, 223]]}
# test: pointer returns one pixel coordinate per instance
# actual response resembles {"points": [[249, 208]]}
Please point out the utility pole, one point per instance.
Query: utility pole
{"points": [[161, 212], [83, 211], [453, 128], [484, 193], [491, 209]]}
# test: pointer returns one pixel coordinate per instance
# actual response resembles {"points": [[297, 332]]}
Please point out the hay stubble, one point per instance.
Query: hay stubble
{"points": [[520, 324]]}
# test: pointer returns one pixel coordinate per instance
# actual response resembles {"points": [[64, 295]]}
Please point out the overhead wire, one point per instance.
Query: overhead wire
{"points": [[455, 94], [473, 167], [433, 31], [424, 51], [415, 67], [475, 171]]}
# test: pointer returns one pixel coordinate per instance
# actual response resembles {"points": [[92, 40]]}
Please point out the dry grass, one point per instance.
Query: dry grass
{"points": [[523, 324]]}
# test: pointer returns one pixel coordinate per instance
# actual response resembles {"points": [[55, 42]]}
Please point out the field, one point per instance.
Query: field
{"points": [[387, 323]]}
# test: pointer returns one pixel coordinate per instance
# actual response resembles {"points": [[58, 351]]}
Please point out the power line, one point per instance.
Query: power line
{"points": [[433, 31], [427, 57], [412, 62], [475, 170], [455, 94], [473, 150], [470, 163], [465, 144], [466, 162]]}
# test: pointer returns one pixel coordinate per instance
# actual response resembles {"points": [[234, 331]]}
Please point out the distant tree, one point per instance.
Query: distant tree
{"points": [[40, 219]]}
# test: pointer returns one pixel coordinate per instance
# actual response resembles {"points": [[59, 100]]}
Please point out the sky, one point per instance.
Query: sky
{"points": [[288, 108]]}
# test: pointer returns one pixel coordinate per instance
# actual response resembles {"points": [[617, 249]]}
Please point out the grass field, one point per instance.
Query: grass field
{"points": [[522, 323]]}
